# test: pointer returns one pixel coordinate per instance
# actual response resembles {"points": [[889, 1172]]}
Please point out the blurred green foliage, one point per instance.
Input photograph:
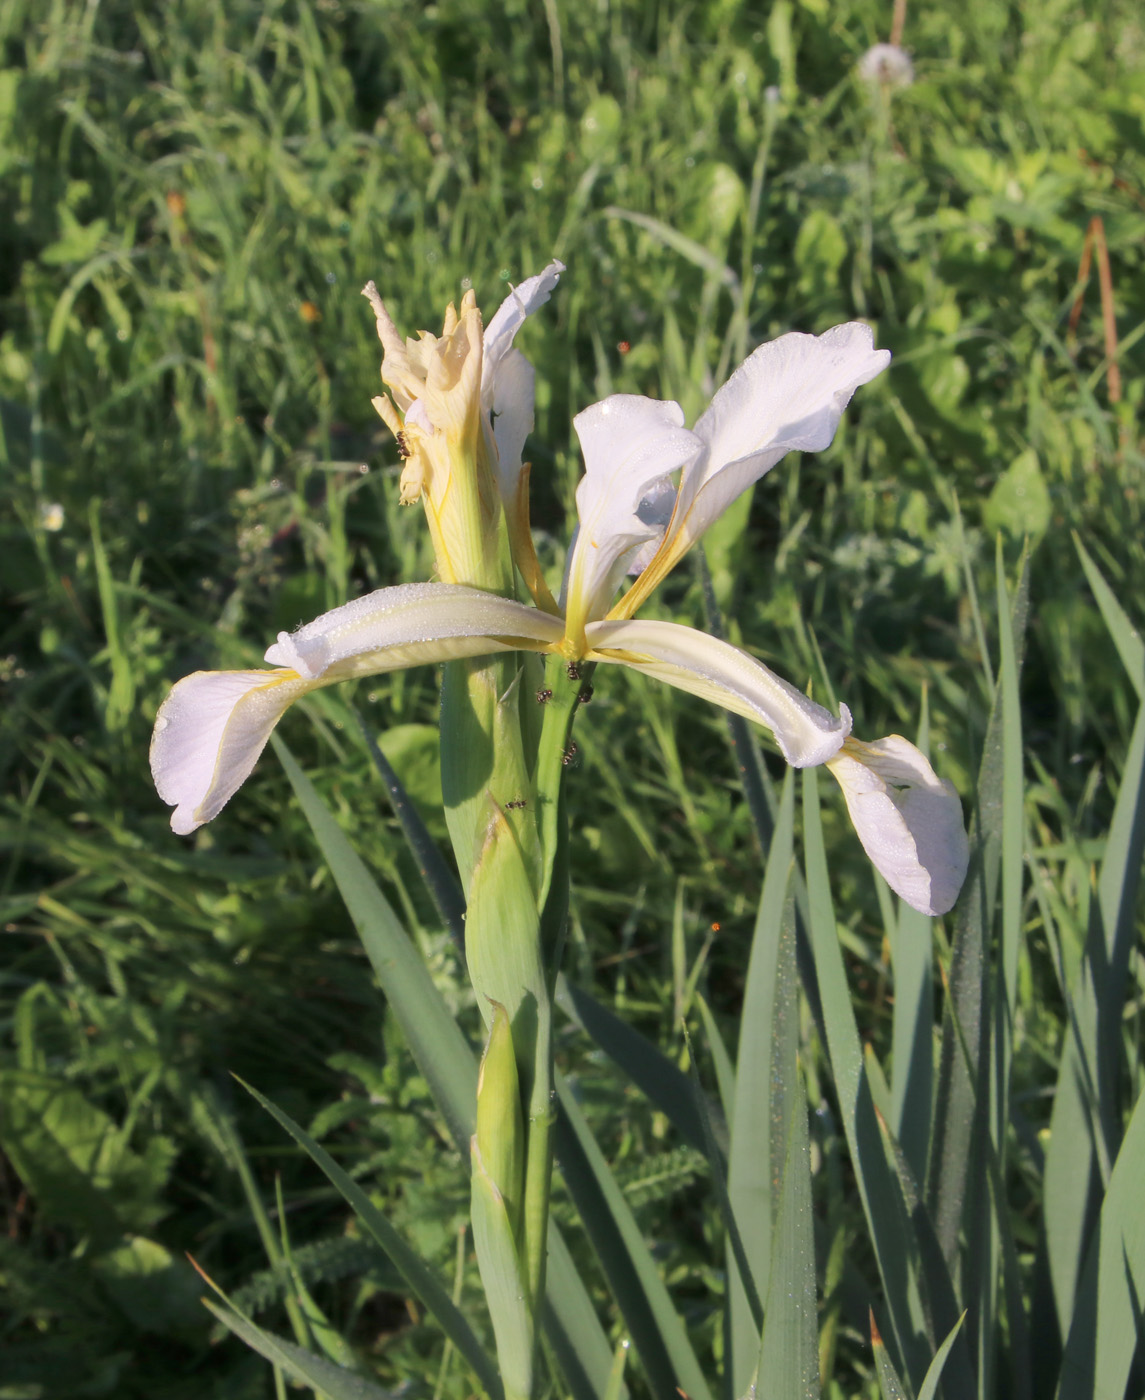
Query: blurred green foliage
{"points": [[192, 198]]}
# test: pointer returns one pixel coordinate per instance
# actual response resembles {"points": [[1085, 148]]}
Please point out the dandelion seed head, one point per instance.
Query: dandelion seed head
{"points": [[886, 64]]}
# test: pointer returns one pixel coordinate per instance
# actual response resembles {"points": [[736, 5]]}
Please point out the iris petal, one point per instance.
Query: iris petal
{"points": [[908, 819]]}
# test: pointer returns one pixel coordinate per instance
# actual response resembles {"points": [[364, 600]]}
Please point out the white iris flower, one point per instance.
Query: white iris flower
{"points": [[650, 490]]}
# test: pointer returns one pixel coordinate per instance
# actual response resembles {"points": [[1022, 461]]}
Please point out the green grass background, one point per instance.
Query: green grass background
{"points": [[191, 197]]}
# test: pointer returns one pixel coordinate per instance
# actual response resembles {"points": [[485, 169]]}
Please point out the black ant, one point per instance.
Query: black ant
{"points": [[516, 804], [586, 695], [544, 696], [570, 754], [404, 449], [573, 671]]}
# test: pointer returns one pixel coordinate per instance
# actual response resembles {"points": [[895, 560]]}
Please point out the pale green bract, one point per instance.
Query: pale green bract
{"points": [[635, 515]]}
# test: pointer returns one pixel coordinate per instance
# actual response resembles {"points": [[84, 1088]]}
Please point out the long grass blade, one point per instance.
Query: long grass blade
{"points": [[645, 1064], [912, 1043], [573, 1329], [721, 1060], [1126, 637], [1107, 1318], [442, 883], [718, 1166], [420, 1278], [957, 1173], [322, 1376], [431, 1032], [1005, 991], [1084, 1126], [933, 1376], [749, 1161], [883, 1203], [657, 1332], [890, 1386]]}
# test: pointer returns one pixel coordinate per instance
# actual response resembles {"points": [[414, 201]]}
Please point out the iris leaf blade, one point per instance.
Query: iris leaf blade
{"points": [[749, 1183]]}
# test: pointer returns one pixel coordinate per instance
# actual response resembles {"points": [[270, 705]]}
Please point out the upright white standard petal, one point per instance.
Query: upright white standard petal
{"points": [[908, 819], [507, 377], [511, 315], [788, 395], [212, 727], [512, 420], [806, 733], [631, 445]]}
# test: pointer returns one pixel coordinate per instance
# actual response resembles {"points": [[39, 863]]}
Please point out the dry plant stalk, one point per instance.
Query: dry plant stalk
{"points": [[1095, 238]]}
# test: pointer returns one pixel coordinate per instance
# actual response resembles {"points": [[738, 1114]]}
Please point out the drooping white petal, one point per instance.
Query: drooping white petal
{"points": [[908, 819], [806, 733], [631, 445], [407, 625], [212, 727], [521, 302], [208, 735], [788, 395]]}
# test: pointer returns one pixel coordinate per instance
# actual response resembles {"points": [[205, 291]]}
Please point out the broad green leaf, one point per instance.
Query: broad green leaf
{"points": [[1019, 504], [789, 1347], [657, 1332], [75, 1160], [420, 1278], [750, 1156], [1106, 1324], [157, 1291], [324, 1377]]}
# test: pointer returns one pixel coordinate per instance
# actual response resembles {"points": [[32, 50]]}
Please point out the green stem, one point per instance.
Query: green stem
{"points": [[509, 834], [562, 690]]}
